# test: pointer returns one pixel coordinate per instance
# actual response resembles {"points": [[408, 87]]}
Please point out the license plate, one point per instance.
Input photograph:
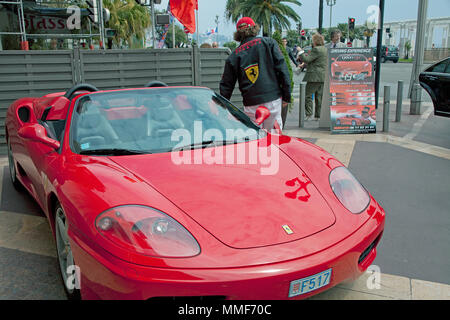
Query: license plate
{"points": [[308, 284]]}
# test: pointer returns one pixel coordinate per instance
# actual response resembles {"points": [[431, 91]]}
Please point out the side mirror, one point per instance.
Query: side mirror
{"points": [[36, 132], [261, 114]]}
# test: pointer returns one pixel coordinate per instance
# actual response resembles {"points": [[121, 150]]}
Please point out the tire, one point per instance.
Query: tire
{"points": [[383, 60], [12, 170], [64, 255], [395, 61]]}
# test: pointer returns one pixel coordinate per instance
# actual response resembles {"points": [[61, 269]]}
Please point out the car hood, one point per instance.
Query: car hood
{"points": [[236, 203]]}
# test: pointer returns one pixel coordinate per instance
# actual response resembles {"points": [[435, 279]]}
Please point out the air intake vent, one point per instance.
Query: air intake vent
{"points": [[367, 251]]}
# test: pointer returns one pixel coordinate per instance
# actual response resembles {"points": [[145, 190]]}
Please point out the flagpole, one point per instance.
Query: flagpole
{"points": [[173, 34], [197, 27], [153, 24]]}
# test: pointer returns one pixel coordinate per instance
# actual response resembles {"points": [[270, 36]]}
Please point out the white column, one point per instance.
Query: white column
{"points": [[427, 34], [446, 38], [431, 38]]}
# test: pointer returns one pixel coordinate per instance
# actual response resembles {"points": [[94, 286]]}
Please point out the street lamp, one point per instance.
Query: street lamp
{"points": [[331, 3]]}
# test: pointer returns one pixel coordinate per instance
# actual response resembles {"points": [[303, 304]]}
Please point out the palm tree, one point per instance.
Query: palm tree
{"points": [[271, 14], [368, 33], [128, 19], [180, 36], [407, 49], [233, 10], [343, 27]]}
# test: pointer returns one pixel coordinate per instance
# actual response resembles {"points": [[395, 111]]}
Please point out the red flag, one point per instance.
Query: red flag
{"points": [[184, 11]]}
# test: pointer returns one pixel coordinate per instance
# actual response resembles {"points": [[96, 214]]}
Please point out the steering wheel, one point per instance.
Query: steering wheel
{"points": [[156, 83], [78, 87]]}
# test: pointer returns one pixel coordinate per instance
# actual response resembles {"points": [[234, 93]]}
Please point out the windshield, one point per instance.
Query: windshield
{"points": [[351, 57], [156, 120]]}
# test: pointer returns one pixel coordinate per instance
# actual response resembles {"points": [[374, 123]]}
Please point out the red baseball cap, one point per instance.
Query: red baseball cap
{"points": [[245, 22]]}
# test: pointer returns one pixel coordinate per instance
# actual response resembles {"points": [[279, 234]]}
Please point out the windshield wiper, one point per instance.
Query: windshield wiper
{"points": [[113, 152], [194, 145], [207, 143]]}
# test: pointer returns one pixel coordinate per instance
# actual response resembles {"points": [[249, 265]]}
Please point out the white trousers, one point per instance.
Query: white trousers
{"points": [[275, 113]]}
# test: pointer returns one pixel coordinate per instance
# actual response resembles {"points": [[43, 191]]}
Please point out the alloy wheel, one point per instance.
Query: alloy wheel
{"points": [[65, 255]]}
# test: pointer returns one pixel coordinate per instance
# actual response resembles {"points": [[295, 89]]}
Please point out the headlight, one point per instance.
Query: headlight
{"points": [[348, 190], [146, 231]]}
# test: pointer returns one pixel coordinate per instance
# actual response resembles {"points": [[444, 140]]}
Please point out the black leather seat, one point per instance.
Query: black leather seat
{"points": [[163, 118], [164, 121], [94, 129]]}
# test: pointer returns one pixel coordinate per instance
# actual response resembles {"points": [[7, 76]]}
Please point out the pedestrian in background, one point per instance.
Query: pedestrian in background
{"points": [[335, 36], [290, 52], [261, 71], [215, 44], [316, 62]]}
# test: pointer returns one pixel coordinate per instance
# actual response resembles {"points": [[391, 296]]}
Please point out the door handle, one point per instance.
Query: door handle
{"points": [[431, 77]]}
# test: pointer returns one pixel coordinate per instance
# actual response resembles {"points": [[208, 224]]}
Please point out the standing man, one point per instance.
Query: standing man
{"points": [[215, 44], [316, 61], [259, 67], [289, 51], [335, 36]]}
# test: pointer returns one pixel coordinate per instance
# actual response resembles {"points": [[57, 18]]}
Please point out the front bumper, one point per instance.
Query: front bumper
{"points": [[107, 277]]}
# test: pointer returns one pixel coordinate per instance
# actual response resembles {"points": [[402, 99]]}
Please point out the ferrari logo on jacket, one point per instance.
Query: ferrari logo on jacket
{"points": [[252, 72]]}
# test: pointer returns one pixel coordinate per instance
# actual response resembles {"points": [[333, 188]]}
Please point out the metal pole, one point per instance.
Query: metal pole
{"points": [[196, 23], [387, 98], [348, 31], [22, 23], [331, 14], [398, 110], [415, 92], [101, 25], [301, 116], [153, 23], [173, 34], [320, 15], [379, 43]]}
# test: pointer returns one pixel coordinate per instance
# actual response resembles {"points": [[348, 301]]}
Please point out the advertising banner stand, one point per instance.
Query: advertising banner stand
{"points": [[351, 90]]}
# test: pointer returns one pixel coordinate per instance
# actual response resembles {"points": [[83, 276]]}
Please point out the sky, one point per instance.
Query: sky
{"points": [[395, 10]]}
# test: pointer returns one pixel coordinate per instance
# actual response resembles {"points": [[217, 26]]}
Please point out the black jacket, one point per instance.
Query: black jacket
{"points": [[261, 71], [291, 54]]}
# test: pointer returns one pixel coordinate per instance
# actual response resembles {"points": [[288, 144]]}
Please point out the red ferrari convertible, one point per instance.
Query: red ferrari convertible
{"points": [[148, 196], [353, 120], [351, 67]]}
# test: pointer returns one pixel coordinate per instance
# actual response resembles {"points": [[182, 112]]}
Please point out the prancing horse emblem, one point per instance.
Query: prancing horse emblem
{"points": [[287, 229], [252, 72]]}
